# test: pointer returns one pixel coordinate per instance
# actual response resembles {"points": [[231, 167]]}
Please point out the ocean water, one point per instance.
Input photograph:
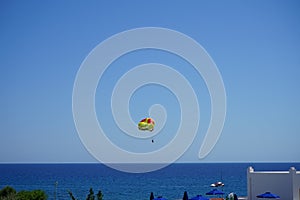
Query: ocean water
{"points": [[170, 182]]}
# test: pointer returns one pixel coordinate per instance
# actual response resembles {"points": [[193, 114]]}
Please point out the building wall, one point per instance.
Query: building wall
{"points": [[286, 184], [296, 185]]}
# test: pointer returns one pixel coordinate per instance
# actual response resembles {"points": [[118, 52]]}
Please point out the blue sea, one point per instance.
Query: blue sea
{"points": [[170, 182]]}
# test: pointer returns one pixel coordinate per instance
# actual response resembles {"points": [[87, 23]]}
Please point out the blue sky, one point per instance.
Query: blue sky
{"points": [[255, 45]]}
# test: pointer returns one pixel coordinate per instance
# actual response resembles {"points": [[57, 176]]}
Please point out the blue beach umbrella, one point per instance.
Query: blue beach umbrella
{"points": [[215, 192], [268, 195], [199, 197]]}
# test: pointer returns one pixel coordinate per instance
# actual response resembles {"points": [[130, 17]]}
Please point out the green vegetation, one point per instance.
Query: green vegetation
{"points": [[32, 195], [9, 193]]}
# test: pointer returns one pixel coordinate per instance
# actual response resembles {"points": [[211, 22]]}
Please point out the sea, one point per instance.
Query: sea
{"points": [[170, 182]]}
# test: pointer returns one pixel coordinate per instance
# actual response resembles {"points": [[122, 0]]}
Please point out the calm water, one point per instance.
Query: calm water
{"points": [[169, 182]]}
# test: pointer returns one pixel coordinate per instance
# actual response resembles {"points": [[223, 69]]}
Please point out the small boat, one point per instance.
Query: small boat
{"points": [[217, 184]]}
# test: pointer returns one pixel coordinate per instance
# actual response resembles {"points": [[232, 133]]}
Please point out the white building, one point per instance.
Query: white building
{"points": [[286, 184]]}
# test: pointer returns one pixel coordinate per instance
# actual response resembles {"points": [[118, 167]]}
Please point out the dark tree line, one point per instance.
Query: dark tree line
{"points": [[9, 193]]}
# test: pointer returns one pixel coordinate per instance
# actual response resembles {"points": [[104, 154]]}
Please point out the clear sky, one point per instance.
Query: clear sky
{"points": [[255, 44]]}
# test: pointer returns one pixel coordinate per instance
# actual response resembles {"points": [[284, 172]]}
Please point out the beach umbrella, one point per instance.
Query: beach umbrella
{"points": [[199, 197], [215, 192], [185, 196], [268, 195]]}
